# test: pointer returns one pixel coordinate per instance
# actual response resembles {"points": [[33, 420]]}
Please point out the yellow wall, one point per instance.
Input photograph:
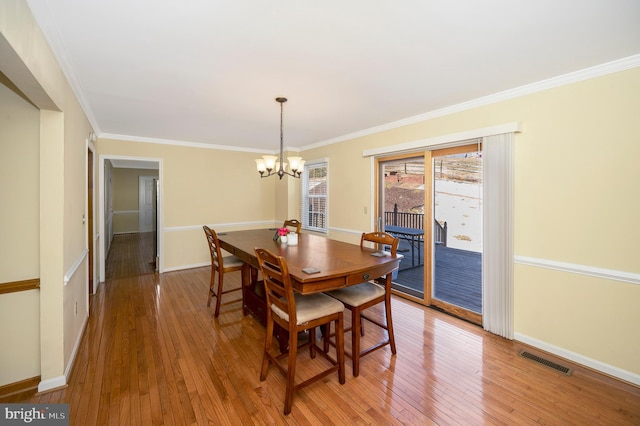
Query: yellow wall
{"points": [[201, 186], [19, 235], [19, 187], [126, 194], [20, 351], [586, 316], [29, 64]]}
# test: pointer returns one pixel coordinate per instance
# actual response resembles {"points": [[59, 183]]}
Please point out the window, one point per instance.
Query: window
{"points": [[314, 196]]}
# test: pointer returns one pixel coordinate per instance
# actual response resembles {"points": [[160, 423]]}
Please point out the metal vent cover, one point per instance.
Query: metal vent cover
{"points": [[547, 363]]}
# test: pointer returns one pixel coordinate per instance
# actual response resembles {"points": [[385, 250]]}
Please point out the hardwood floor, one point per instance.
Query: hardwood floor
{"points": [[130, 255], [152, 353]]}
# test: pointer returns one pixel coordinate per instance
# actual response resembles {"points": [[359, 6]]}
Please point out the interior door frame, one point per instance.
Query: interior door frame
{"points": [[101, 208], [90, 203], [90, 220]]}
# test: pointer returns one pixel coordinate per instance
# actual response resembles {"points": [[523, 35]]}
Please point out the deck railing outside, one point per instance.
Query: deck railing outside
{"points": [[415, 220], [408, 220]]}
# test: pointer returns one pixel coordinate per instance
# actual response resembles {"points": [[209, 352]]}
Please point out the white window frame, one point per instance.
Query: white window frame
{"points": [[304, 191]]}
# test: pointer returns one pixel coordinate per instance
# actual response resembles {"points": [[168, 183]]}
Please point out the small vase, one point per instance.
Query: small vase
{"points": [[283, 239]]}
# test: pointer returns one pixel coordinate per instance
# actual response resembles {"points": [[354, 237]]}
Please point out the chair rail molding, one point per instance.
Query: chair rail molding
{"points": [[608, 274], [15, 286], [75, 266], [228, 226]]}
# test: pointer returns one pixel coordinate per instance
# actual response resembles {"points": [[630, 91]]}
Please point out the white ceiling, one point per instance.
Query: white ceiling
{"points": [[208, 71]]}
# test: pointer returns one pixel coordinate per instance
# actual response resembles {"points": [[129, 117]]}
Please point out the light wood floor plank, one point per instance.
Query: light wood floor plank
{"points": [[152, 354]]}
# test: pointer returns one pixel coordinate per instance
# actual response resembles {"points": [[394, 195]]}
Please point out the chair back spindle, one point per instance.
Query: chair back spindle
{"points": [[293, 223]]}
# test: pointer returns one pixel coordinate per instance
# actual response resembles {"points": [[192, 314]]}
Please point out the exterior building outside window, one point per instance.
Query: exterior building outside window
{"points": [[315, 183]]}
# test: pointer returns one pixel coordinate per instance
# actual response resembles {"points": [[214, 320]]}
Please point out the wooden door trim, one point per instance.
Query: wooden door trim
{"points": [[427, 230], [457, 311]]}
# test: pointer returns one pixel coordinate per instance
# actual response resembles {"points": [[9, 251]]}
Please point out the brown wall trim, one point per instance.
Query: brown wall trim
{"points": [[12, 287], [19, 387]]}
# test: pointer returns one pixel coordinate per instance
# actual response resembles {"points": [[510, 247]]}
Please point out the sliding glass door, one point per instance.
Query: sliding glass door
{"points": [[401, 213], [456, 246], [442, 243]]}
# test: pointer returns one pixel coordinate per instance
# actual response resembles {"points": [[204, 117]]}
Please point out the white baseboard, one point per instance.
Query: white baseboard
{"points": [[53, 383], [56, 382], [76, 346], [183, 267], [610, 370]]}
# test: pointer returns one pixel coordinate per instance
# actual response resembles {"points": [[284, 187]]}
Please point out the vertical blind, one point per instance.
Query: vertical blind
{"points": [[497, 217]]}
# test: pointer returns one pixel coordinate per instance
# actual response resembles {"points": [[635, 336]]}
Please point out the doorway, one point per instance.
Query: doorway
{"points": [[442, 243], [113, 221]]}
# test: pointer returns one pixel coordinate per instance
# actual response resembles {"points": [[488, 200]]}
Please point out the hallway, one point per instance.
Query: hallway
{"points": [[130, 255]]}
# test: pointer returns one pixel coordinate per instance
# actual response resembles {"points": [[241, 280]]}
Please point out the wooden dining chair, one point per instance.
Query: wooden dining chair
{"points": [[293, 223], [357, 298], [295, 313], [219, 266]]}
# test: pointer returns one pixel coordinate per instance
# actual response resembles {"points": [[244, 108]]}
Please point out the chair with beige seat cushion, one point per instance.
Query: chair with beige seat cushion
{"points": [[359, 297], [293, 223], [220, 266], [295, 313]]}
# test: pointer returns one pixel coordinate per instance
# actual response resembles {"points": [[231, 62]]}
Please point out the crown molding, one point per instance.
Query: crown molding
{"points": [[193, 144], [562, 80], [52, 36]]}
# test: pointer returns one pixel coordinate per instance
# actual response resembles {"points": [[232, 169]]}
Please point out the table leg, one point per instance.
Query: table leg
{"points": [[246, 282], [413, 251], [254, 302]]}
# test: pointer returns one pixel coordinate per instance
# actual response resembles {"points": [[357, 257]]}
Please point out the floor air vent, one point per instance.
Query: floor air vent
{"points": [[561, 368]]}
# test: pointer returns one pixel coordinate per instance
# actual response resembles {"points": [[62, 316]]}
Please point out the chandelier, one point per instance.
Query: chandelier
{"points": [[270, 165]]}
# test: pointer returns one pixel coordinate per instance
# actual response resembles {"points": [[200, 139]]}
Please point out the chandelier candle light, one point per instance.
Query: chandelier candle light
{"points": [[273, 165]]}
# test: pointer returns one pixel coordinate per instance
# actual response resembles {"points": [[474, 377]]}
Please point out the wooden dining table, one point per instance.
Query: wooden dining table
{"points": [[339, 264]]}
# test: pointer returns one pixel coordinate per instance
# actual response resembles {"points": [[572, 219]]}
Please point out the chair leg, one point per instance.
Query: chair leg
{"points": [[211, 283], [339, 347], [355, 341], [267, 347], [312, 342], [219, 295], [392, 339], [291, 371], [326, 334]]}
